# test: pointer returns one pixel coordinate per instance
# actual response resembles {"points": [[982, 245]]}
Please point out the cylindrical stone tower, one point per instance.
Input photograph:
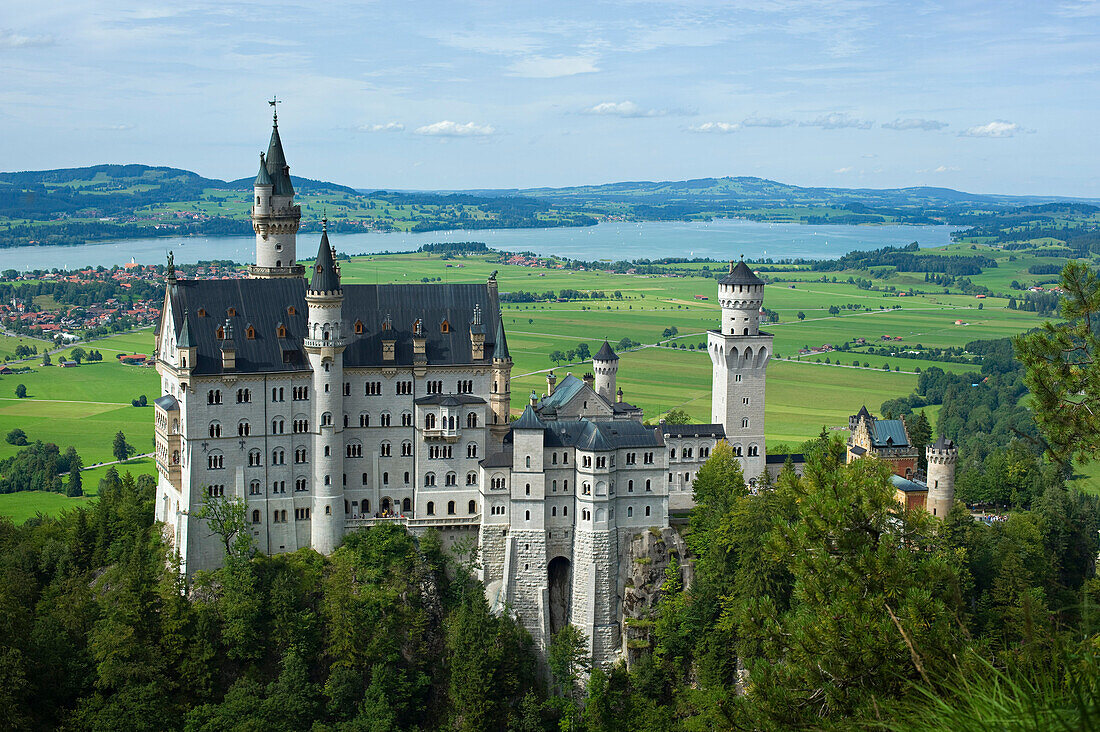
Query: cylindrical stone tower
{"points": [[605, 364], [275, 218], [324, 345], [942, 457], [500, 393]]}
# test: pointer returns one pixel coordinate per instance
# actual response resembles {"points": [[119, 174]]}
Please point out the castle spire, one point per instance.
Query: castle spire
{"points": [[326, 273]]}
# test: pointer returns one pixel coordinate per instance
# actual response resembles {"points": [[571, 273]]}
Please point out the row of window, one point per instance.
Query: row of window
{"points": [[688, 453], [370, 388]]}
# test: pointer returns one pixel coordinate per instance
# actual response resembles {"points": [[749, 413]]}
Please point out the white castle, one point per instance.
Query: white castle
{"points": [[328, 407]]}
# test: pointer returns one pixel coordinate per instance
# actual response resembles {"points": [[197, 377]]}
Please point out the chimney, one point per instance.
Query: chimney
{"points": [[551, 381], [388, 339], [619, 395], [477, 335], [229, 348], [420, 354], [534, 398], [590, 380]]}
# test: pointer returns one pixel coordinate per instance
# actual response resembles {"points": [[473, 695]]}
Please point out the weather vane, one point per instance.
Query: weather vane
{"points": [[275, 110]]}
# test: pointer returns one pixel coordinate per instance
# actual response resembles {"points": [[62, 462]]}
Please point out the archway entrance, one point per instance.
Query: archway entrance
{"points": [[560, 575], [386, 505]]}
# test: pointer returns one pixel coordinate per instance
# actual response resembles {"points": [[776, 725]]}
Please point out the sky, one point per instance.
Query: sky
{"points": [[987, 97]]}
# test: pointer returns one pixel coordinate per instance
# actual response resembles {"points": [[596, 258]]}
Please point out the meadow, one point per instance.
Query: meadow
{"points": [[85, 406]]}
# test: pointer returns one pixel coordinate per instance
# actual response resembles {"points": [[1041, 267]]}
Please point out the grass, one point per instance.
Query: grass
{"points": [[84, 407]]}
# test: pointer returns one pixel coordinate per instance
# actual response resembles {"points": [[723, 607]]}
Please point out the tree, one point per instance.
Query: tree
{"points": [[78, 354], [226, 517], [567, 658], [17, 437], [920, 432], [677, 416], [75, 488], [121, 449], [1061, 370], [801, 315], [142, 401], [21, 391], [582, 352], [834, 310], [557, 356], [46, 359]]}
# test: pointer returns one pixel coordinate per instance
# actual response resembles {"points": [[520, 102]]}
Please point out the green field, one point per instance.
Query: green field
{"points": [[85, 406]]}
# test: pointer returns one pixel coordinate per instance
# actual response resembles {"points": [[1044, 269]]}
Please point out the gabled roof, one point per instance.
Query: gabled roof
{"points": [[167, 402], [264, 303], [527, 420], [740, 275], [889, 433], [943, 443], [597, 436], [863, 412], [564, 392], [326, 275], [605, 353]]}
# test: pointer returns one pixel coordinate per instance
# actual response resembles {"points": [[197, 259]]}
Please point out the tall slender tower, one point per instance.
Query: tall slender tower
{"points": [[500, 396], [324, 345], [740, 353], [275, 218], [942, 456], [605, 364]]}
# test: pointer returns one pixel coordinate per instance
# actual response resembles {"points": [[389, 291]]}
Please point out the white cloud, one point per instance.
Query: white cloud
{"points": [[848, 169], [996, 128], [386, 127], [624, 109], [447, 128], [837, 121], [915, 123], [721, 127], [766, 122], [545, 67], [945, 169], [12, 39]]}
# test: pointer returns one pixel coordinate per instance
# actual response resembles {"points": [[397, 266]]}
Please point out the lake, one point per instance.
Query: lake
{"points": [[718, 239]]}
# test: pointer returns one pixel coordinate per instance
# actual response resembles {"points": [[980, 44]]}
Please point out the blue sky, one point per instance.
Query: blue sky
{"points": [[998, 97]]}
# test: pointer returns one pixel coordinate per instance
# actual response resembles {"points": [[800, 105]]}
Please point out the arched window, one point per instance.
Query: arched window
{"points": [[471, 478], [256, 516], [528, 460], [745, 422], [629, 511], [358, 327], [630, 486], [471, 419], [406, 504], [215, 429], [648, 486], [471, 507], [244, 429], [647, 510], [326, 419], [526, 515], [254, 488], [431, 508], [253, 458], [364, 420], [452, 478], [429, 479], [450, 508]]}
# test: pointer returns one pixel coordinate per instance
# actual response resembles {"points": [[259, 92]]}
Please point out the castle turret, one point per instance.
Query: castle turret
{"points": [[605, 364], [275, 218], [527, 533], [740, 352], [942, 457], [500, 395], [324, 345]]}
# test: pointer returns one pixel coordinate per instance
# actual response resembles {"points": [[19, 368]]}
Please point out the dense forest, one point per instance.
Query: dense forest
{"points": [[814, 602]]}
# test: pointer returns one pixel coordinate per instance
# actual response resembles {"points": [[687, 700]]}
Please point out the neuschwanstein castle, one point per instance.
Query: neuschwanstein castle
{"points": [[329, 407]]}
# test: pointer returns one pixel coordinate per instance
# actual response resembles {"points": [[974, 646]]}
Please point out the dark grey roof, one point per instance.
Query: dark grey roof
{"points": [[693, 430], [863, 412], [605, 353], [780, 458], [527, 420], [450, 400], [500, 351], [857, 450], [277, 168], [262, 178], [604, 435], [889, 433], [741, 275], [943, 443], [264, 303], [622, 407], [326, 275], [167, 402], [499, 459]]}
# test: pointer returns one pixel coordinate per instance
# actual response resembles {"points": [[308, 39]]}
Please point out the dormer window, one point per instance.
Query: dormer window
{"points": [[418, 328], [291, 311], [231, 312], [250, 333], [221, 333], [281, 330], [202, 312], [445, 327], [358, 327]]}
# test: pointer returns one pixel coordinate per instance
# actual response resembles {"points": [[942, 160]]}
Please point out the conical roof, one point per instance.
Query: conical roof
{"points": [[184, 338], [740, 274], [528, 421], [943, 443], [500, 345], [326, 275], [605, 353], [276, 164], [262, 178]]}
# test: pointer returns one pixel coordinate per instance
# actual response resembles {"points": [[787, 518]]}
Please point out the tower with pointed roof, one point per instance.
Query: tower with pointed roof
{"points": [[275, 217], [324, 346], [739, 352], [605, 364], [942, 456], [500, 394]]}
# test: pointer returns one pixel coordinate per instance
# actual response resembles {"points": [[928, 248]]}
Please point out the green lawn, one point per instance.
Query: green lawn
{"points": [[85, 406]]}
